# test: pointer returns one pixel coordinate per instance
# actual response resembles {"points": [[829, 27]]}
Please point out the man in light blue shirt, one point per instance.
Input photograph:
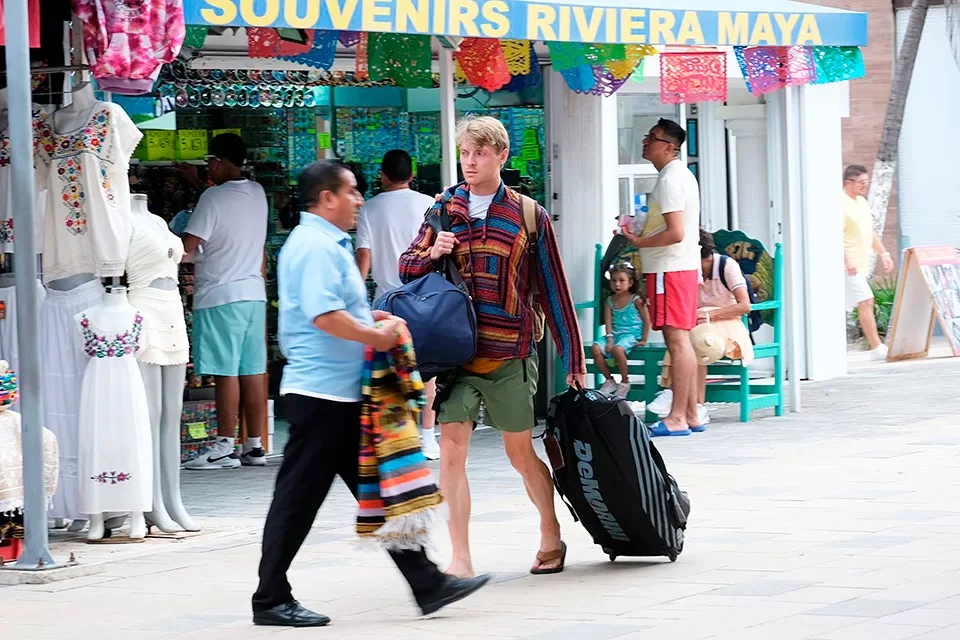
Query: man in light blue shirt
{"points": [[325, 322]]}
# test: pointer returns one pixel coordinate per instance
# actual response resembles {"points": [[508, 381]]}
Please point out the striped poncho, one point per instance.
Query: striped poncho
{"points": [[399, 501]]}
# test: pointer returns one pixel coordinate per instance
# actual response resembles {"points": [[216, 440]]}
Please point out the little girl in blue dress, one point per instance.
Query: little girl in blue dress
{"points": [[627, 323]]}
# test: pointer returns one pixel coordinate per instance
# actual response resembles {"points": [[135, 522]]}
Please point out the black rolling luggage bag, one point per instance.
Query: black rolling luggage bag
{"points": [[612, 477]]}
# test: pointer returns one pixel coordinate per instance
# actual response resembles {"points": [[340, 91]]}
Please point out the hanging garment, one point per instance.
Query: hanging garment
{"points": [[399, 501], [11, 463], [33, 24], [9, 349], [127, 41], [115, 461], [155, 253], [88, 226], [63, 364], [6, 193]]}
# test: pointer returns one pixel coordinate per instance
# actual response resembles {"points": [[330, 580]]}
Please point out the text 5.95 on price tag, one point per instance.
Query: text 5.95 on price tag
{"points": [[192, 144]]}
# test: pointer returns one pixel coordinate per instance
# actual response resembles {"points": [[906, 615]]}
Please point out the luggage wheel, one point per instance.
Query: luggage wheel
{"points": [[610, 554]]}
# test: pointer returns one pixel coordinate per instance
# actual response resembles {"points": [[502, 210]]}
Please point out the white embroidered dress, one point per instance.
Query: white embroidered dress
{"points": [[115, 457], [87, 227]]}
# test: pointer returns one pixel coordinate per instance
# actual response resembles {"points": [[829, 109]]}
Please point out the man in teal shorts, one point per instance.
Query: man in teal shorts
{"points": [[229, 225]]}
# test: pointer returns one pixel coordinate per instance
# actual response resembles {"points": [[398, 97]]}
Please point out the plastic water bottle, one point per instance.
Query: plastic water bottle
{"points": [[640, 211]]}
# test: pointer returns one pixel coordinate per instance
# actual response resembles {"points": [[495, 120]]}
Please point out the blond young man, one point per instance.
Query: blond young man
{"points": [[489, 244]]}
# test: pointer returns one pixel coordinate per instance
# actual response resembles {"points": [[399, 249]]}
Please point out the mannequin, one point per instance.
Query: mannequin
{"points": [[86, 237], [152, 271], [115, 462], [76, 114]]}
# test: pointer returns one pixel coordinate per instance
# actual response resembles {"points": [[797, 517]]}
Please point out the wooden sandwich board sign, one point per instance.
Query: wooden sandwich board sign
{"points": [[929, 290]]}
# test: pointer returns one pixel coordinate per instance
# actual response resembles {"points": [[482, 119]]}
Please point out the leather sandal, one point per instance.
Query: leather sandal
{"points": [[544, 557]]}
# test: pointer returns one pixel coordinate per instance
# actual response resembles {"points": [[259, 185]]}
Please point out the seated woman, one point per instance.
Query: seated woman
{"points": [[723, 301]]}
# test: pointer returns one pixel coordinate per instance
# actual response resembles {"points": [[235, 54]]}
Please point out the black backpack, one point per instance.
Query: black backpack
{"points": [[754, 320]]}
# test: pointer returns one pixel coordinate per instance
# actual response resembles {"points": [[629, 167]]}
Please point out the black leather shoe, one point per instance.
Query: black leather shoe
{"points": [[290, 614], [452, 590]]}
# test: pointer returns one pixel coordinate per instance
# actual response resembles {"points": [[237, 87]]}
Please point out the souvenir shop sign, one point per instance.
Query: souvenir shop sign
{"points": [[928, 292], [700, 22]]}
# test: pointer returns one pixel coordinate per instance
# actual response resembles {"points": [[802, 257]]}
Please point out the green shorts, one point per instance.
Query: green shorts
{"points": [[506, 394], [230, 339]]}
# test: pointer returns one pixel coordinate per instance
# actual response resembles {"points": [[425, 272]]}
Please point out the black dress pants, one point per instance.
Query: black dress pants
{"points": [[324, 442]]}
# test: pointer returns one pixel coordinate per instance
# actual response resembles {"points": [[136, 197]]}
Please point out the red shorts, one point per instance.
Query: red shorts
{"points": [[673, 299]]}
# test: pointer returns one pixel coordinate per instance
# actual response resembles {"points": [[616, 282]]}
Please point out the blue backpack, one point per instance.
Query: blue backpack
{"points": [[439, 312]]}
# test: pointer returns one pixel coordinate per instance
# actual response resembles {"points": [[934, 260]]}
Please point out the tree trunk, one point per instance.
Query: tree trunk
{"points": [[953, 27], [886, 165]]}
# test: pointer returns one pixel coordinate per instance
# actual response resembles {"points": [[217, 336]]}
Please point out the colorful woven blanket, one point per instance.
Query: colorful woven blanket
{"points": [[399, 501]]}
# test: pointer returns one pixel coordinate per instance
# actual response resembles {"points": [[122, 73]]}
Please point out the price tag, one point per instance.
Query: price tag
{"points": [[531, 152], [161, 145], [192, 143], [324, 140], [519, 164], [197, 430], [217, 132], [426, 130], [530, 137], [413, 165]]}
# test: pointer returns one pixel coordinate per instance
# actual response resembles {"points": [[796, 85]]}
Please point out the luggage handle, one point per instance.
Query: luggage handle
{"points": [[446, 266]]}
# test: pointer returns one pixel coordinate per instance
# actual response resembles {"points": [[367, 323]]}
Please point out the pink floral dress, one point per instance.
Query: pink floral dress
{"points": [[115, 459], [127, 41]]}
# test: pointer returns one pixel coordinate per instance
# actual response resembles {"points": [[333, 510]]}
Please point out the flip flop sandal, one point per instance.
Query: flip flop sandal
{"points": [[661, 430], [551, 556], [700, 428]]}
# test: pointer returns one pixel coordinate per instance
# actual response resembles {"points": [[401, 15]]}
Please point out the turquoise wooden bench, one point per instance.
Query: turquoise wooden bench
{"points": [[729, 381]]}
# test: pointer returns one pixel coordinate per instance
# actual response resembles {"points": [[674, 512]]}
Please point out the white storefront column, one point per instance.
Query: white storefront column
{"points": [[821, 109], [751, 156], [584, 197], [713, 168]]}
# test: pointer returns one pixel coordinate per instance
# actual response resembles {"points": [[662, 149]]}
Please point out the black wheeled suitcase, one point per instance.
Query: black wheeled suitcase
{"points": [[612, 477]]}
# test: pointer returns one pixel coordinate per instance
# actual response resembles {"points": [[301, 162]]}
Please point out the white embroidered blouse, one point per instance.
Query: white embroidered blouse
{"points": [[87, 228]]}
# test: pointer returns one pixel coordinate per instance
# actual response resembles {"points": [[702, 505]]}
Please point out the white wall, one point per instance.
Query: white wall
{"points": [[821, 164], [927, 183]]}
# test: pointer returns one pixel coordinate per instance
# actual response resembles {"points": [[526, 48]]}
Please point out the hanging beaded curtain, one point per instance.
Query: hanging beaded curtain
{"points": [[693, 77], [362, 71], [837, 64], [483, 62], [405, 59], [766, 69], [323, 52]]}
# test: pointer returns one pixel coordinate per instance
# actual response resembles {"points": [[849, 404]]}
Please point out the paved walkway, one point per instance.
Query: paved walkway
{"points": [[840, 523]]}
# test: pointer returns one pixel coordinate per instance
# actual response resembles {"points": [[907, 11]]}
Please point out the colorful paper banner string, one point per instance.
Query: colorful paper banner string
{"points": [[693, 77], [766, 69], [532, 79], [323, 52], [838, 64], [362, 65], [195, 37], [262, 42], [405, 59], [483, 63], [517, 53], [349, 38]]}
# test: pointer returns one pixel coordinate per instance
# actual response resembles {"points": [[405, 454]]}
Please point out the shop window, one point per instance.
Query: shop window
{"points": [[637, 113]]}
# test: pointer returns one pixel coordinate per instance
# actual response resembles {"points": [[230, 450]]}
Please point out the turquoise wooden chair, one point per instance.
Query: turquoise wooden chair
{"points": [[730, 381]]}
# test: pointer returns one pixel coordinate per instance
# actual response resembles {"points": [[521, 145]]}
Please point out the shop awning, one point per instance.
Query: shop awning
{"points": [[698, 22]]}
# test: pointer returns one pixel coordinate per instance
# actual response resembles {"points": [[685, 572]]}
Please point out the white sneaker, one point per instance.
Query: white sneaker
{"points": [[662, 404], [221, 456], [880, 353], [256, 457], [609, 387], [430, 448], [703, 414], [622, 390]]}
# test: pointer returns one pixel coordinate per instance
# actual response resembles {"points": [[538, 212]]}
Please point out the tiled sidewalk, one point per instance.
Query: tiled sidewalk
{"points": [[839, 523]]}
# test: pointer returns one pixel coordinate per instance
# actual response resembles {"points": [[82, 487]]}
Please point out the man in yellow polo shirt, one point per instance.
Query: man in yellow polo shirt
{"points": [[858, 239]]}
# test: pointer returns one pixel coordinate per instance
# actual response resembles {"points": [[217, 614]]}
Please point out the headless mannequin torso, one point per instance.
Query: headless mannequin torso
{"points": [[164, 387]]}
